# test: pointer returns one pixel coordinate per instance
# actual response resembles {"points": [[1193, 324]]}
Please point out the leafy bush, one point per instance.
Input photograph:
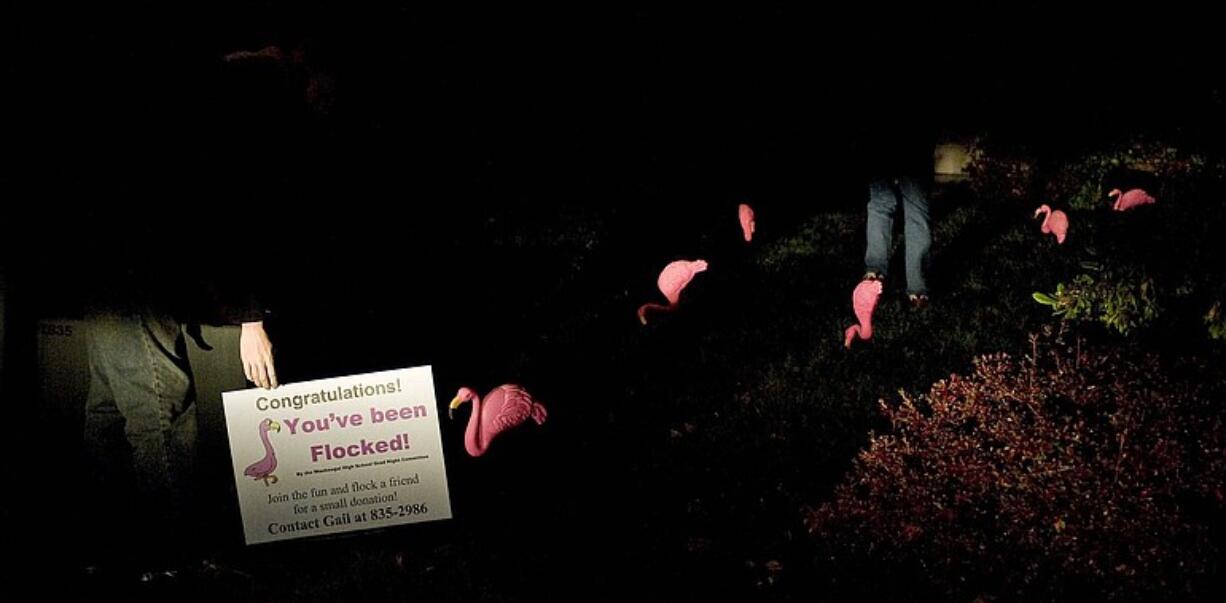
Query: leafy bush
{"points": [[997, 174], [1143, 262], [1120, 299], [1001, 172], [1079, 182], [1070, 472], [1215, 320]]}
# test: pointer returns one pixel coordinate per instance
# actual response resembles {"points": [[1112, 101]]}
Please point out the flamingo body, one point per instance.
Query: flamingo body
{"points": [[268, 52], [1055, 222], [673, 280], [748, 226], [506, 406], [863, 303], [319, 91], [1134, 197], [263, 468]]}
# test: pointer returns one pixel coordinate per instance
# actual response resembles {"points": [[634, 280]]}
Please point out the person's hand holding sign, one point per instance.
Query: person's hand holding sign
{"points": [[255, 349]]}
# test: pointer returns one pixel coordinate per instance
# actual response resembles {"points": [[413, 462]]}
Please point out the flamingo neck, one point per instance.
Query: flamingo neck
{"points": [[1046, 211], [645, 308], [472, 434], [861, 331], [267, 442], [850, 335]]}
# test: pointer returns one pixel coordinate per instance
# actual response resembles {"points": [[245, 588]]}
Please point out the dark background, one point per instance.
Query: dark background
{"points": [[378, 230], [132, 136]]}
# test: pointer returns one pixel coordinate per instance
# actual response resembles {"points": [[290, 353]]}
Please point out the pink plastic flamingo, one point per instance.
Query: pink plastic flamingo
{"points": [[263, 468], [273, 53], [1056, 222], [673, 279], [503, 408], [1135, 197], [748, 226], [864, 303], [320, 88]]}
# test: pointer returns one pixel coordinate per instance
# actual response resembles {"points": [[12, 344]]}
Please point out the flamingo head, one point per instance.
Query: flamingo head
{"points": [[1043, 209], [269, 425], [849, 335], [463, 395], [1115, 192]]}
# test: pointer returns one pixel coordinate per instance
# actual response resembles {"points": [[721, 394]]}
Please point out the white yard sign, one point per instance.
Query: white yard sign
{"points": [[337, 455]]}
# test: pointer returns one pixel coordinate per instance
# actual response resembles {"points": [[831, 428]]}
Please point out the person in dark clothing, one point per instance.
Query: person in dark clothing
{"points": [[895, 143], [214, 156], [141, 384]]}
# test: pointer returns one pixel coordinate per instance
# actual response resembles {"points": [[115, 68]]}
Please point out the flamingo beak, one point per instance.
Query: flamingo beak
{"points": [[274, 426], [455, 403]]}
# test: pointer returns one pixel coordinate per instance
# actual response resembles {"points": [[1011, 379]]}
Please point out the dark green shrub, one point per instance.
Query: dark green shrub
{"points": [[1122, 300], [1080, 182]]}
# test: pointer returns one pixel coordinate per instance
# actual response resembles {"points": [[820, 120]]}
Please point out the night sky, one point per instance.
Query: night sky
{"points": [[544, 99], [446, 112]]}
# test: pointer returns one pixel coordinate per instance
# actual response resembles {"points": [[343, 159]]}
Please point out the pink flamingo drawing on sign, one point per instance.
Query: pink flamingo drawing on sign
{"points": [[263, 468], [745, 213], [673, 279], [1135, 197], [1056, 222], [503, 408], [863, 303]]}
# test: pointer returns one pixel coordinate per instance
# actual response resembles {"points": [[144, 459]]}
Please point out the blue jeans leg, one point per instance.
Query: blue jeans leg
{"points": [[917, 232], [882, 202], [140, 381]]}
